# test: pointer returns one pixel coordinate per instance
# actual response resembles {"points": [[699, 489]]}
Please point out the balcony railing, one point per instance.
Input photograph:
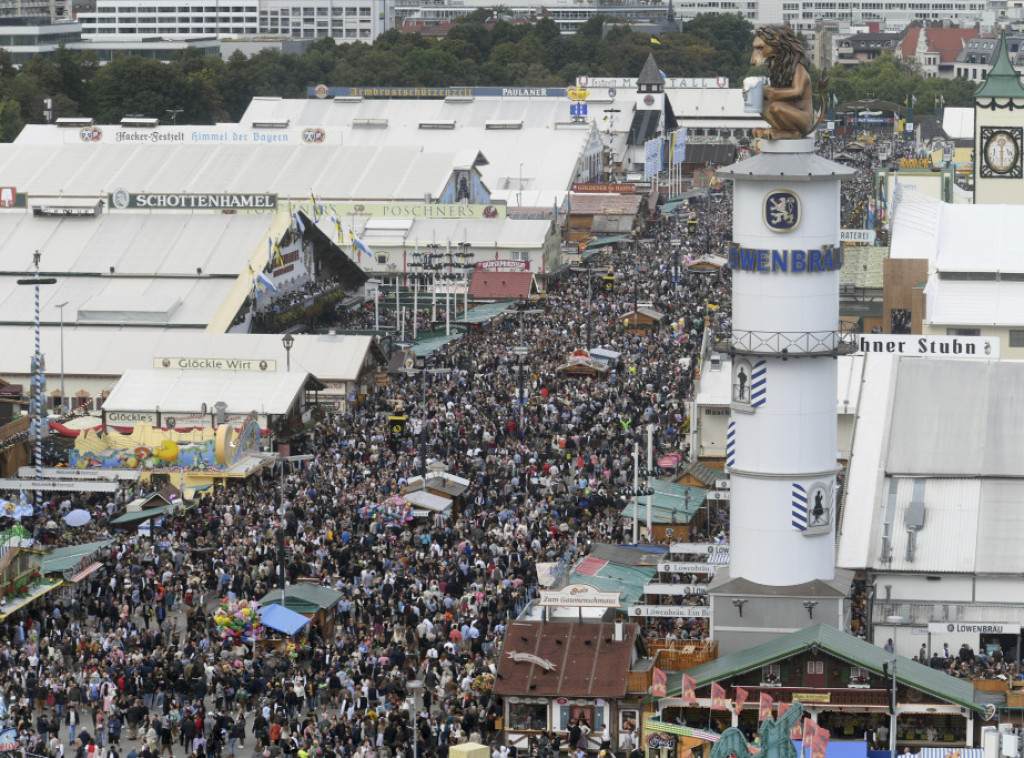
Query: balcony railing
{"points": [[841, 341]]}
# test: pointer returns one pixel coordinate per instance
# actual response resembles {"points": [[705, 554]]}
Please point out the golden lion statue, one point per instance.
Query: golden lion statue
{"points": [[788, 105]]}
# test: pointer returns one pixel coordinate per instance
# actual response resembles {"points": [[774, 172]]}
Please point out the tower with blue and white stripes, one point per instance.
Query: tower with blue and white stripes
{"points": [[785, 258]]}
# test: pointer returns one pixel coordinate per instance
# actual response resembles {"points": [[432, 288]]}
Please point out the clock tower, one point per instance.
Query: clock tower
{"points": [[999, 133]]}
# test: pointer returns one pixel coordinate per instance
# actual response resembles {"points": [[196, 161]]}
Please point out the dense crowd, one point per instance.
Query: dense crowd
{"points": [[131, 662]]}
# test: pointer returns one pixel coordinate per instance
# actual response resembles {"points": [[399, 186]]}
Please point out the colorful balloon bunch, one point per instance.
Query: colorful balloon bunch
{"points": [[238, 620]]}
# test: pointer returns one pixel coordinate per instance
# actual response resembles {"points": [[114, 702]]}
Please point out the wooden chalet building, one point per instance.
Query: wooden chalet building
{"points": [[844, 686]]}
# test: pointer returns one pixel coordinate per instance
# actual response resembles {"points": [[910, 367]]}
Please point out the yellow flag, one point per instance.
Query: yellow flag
{"points": [[655, 41]]}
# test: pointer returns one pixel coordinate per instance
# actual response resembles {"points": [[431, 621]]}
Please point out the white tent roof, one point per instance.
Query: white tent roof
{"points": [[970, 303], [155, 258], [958, 123], [547, 154], [186, 391], [920, 438], [97, 351]]}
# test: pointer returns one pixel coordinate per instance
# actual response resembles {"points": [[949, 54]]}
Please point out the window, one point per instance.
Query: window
{"points": [[593, 716], [858, 675], [815, 667], [533, 716], [771, 674], [1017, 338]]}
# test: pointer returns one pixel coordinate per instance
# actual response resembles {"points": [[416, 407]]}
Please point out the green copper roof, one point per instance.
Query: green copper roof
{"points": [[840, 645], [1002, 80]]}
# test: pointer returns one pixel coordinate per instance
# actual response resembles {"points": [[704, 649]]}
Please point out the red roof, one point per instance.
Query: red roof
{"points": [[575, 660], [500, 285], [948, 42]]}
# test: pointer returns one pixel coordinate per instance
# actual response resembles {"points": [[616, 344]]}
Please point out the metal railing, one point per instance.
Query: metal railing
{"points": [[841, 341]]}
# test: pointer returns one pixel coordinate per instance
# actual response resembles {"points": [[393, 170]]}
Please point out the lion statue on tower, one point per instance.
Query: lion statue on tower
{"points": [[788, 104]]}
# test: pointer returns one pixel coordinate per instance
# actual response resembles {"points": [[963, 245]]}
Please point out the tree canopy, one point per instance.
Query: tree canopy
{"points": [[482, 49]]}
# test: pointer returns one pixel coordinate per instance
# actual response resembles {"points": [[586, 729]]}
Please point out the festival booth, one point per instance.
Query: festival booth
{"points": [[581, 363], [21, 577], [196, 458], [440, 484], [281, 629], [643, 320], [313, 601]]}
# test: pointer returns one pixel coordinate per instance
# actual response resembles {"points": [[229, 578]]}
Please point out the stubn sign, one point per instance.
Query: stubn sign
{"points": [[942, 346]]}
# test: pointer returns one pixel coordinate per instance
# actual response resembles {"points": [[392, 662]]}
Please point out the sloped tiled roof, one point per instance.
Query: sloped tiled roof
{"points": [[947, 42], [586, 660]]}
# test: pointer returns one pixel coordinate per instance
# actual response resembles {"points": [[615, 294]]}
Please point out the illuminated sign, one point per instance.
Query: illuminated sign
{"points": [[828, 258]]}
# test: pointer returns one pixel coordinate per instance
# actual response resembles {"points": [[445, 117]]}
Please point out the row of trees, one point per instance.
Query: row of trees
{"points": [[479, 50]]}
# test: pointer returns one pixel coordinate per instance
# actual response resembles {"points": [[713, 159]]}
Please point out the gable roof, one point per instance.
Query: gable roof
{"points": [[840, 645], [1002, 80], [587, 661], [948, 42], [303, 597], [501, 285]]}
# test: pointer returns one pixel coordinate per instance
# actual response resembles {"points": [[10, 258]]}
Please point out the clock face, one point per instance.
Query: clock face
{"points": [[1001, 152]]}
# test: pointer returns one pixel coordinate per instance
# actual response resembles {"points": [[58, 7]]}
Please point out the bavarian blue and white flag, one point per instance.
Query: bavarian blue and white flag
{"points": [[652, 158], [679, 146]]}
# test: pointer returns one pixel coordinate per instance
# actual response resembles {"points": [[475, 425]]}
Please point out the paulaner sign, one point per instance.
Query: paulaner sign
{"points": [[124, 200], [827, 258], [946, 346]]}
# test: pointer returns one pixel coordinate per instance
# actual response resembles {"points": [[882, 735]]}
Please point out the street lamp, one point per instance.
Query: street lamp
{"points": [[895, 621], [288, 340], [64, 407]]}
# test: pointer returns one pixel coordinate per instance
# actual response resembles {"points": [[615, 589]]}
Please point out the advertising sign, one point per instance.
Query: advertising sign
{"points": [[123, 200], [215, 364], [671, 611], [955, 627], [580, 596], [419, 210], [698, 548], [866, 236], [942, 346], [605, 188]]}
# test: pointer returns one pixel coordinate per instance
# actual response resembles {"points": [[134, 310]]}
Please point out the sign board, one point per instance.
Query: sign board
{"points": [[9, 740], [604, 188], [940, 346], [813, 697], [665, 588], [697, 548], [957, 627], [214, 364], [502, 265], [123, 200], [435, 93], [671, 611], [866, 236], [418, 210], [681, 567], [671, 82], [580, 596], [129, 417]]}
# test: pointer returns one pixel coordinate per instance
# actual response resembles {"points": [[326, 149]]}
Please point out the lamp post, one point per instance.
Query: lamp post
{"points": [[895, 621], [64, 406], [288, 341]]}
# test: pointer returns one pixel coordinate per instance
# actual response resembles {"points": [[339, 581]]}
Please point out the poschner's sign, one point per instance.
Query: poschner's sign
{"points": [[122, 200], [944, 346]]}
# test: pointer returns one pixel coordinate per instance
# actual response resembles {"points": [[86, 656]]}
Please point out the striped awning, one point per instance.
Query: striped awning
{"points": [[87, 571]]}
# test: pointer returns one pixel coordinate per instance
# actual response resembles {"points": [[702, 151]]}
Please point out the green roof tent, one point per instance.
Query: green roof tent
{"points": [[1002, 80], [614, 577], [63, 558], [135, 517], [305, 598], [840, 645], [671, 503], [605, 241], [479, 314]]}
